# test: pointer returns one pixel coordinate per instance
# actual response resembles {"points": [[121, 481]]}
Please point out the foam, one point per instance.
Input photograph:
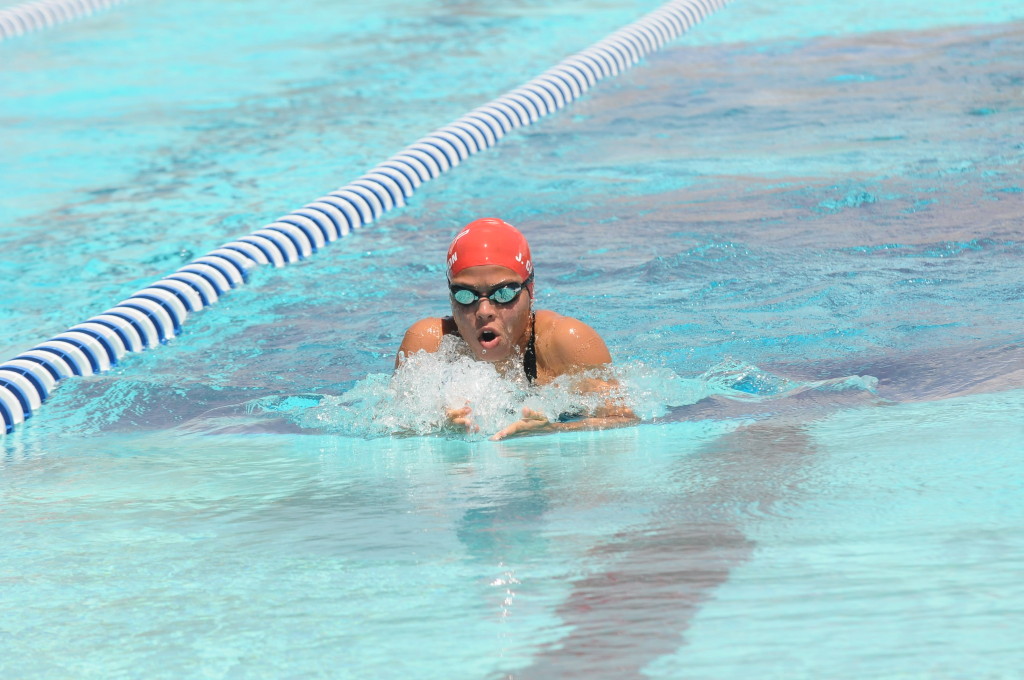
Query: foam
{"points": [[413, 401]]}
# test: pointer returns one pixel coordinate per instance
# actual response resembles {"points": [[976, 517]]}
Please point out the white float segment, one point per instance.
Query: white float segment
{"points": [[52, 362], [312, 231], [447, 155], [160, 317], [342, 210], [31, 16], [170, 302], [41, 374], [285, 247], [390, 186], [493, 115], [441, 160], [462, 148], [92, 349], [426, 161], [260, 248], [556, 93], [324, 223], [399, 185], [130, 336], [228, 268], [472, 136], [208, 294], [410, 168], [115, 346], [189, 296], [485, 127], [11, 411], [148, 330], [80, 362], [30, 391], [363, 209], [369, 192], [531, 104], [213, 274]]}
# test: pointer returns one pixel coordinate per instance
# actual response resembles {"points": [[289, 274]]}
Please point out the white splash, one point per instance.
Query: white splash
{"points": [[414, 400]]}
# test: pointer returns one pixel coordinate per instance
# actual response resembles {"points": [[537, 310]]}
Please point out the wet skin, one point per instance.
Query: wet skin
{"points": [[499, 333], [494, 331]]}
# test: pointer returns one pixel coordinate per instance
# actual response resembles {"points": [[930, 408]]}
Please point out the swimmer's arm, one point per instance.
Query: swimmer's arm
{"points": [[608, 415], [424, 335], [581, 349], [577, 348], [535, 422]]}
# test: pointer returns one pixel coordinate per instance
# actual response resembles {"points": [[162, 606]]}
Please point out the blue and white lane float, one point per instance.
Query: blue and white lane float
{"points": [[33, 16], [156, 314]]}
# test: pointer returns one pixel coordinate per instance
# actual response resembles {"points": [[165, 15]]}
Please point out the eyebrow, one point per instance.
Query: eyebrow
{"points": [[493, 288]]}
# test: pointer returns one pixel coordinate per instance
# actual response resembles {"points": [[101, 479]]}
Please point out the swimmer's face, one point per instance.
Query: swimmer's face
{"points": [[492, 330]]}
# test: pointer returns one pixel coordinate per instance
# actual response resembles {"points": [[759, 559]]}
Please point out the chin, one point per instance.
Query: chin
{"points": [[491, 356]]}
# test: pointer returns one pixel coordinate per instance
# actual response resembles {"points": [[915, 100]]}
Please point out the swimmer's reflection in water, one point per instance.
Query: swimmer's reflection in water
{"points": [[490, 279]]}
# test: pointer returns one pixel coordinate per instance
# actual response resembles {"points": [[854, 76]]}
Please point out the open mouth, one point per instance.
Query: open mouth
{"points": [[488, 339]]}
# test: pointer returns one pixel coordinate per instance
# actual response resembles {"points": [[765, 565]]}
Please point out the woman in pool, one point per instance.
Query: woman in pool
{"points": [[489, 268]]}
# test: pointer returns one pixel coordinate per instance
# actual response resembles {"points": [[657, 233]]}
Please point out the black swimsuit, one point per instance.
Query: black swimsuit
{"points": [[530, 355], [530, 368]]}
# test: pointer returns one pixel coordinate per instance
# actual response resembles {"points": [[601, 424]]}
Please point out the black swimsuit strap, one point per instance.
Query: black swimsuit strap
{"points": [[530, 355]]}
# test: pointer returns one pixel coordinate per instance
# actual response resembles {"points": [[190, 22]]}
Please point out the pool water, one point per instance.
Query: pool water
{"points": [[797, 228]]}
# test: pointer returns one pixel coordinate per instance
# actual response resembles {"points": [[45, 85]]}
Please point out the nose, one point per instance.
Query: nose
{"points": [[485, 308]]}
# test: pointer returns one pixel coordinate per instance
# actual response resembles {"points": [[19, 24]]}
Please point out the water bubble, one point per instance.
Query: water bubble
{"points": [[413, 401]]}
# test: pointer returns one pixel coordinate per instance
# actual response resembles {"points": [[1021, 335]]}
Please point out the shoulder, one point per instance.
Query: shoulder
{"points": [[426, 335], [566, 344]]}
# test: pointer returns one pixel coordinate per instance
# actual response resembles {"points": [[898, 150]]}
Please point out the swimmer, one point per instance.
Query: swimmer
{"points": [[490, 280]]}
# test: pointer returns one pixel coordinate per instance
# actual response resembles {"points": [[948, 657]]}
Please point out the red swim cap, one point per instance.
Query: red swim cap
{"points": [[490, 241]]}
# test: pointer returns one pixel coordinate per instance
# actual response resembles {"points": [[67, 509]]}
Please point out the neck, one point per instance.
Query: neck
{"points": [[514, 363]]}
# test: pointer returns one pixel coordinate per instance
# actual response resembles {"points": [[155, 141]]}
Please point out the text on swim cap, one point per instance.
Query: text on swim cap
{"points": [[528, 265]]}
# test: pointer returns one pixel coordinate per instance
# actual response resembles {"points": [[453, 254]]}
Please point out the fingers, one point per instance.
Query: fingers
{"points": [[504, 433], [457, 412], [460, 419], [531, 422]]}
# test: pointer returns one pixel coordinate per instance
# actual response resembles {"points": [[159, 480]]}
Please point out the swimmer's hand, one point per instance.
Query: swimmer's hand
{"points": [[535, 422], [460, 419], [532, 422]]}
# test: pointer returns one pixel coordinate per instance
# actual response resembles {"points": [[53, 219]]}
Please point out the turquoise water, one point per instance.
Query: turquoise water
{"points": [[797, 228]]}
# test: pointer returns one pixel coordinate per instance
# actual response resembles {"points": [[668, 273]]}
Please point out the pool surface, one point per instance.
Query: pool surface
{"points": [[798, 228]]}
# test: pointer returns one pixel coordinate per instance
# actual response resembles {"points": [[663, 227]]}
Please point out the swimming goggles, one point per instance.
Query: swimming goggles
{"points": [[502, 295]]}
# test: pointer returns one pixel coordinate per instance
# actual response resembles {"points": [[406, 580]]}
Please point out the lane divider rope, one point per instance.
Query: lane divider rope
{"points": [[156, 314], [33, 16]]}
